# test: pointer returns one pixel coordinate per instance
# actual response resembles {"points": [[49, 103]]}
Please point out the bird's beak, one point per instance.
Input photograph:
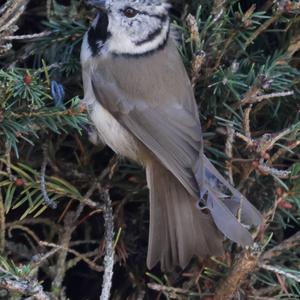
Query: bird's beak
{"points": [[100, 4]]}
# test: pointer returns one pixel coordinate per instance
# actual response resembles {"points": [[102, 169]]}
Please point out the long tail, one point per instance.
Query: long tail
{"points": [[178, 230]]}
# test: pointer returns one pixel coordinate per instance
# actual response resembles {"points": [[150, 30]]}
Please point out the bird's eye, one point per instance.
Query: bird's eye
{"points": [[130, 12]]}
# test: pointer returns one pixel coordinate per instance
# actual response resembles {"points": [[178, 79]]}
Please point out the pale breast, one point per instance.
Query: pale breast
{"points": [[110, 130], [113, 133]]}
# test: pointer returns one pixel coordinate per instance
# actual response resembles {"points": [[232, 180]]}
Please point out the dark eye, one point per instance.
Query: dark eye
{"points": [[130, 12]]}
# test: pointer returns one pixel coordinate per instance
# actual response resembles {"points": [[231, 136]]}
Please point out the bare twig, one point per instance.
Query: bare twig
{"points": [[26, 230], [258, 99], [229, 152], [10, 13], [71, 222], [39, 259], [279, 270], [246, 122], [62, 256], [262, 29], [244, 265], [90, 263], [109, 245], [90, 203], [86, 200], [13, 19], [264, 168], [27, 36], [85, 258], [24, 287], [268, 141], [10, 9], [173, 293], [291, 243], [247, 140], [8, 163], [253, 92], [4, 7]]}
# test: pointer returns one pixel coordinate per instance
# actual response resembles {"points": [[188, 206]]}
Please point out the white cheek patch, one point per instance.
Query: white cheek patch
{"points": [[121, 43]]}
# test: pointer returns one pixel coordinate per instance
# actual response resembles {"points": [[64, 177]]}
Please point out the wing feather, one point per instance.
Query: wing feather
{"points": [[162, 114], [171, 133]]}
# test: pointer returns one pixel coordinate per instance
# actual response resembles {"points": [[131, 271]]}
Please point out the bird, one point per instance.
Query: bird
{"points": [[141, 102]]}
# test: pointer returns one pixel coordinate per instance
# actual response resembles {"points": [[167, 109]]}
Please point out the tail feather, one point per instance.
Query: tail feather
{"points": [[249, 214], [229, 212], [178, 230], [226, 221]]}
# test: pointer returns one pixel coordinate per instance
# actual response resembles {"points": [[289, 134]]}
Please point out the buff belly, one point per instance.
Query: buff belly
{"points": [[113, 133]]}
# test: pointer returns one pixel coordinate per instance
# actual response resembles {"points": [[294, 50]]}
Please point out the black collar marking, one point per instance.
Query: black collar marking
{"points": [[147, 53], [99, 34]]}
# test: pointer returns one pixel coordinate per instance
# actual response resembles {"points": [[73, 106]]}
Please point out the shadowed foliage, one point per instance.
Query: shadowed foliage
{"points": [[58, 191]]}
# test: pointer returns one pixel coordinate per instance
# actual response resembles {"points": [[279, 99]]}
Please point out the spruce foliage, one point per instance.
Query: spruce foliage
{"points": [[59, 193]]}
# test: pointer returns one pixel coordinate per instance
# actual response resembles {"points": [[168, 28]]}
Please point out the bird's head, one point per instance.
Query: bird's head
{"points": [[134, 27]]}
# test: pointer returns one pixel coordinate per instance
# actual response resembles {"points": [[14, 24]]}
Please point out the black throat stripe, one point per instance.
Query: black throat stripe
{"points": [[151, 36], [99, 34], [160, 47]]}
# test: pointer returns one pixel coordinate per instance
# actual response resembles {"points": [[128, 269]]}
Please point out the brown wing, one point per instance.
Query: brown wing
{"points": [[156, 105], [154, 101]]}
